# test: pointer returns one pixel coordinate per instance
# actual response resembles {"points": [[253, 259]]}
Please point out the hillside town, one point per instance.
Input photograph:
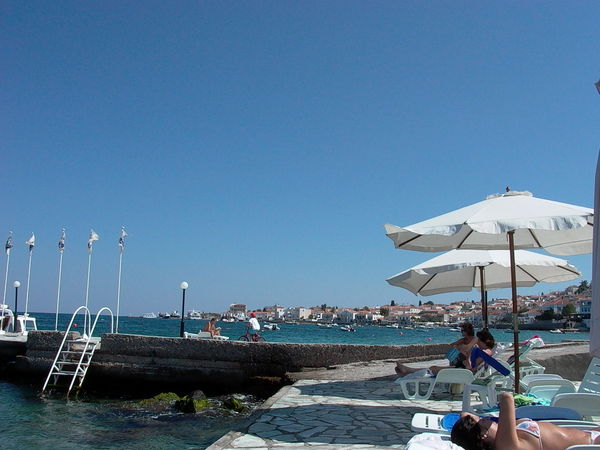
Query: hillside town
{"points": [[566, 309]]}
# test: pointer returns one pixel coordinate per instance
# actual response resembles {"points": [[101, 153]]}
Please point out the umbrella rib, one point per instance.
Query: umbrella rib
{"points": [[534, 237], [426, 283], [463, 241], [406, 242], [528, 274]]}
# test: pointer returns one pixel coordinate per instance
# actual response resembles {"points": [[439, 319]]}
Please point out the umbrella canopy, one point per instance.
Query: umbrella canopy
{"points": [[559, 228], [513, 220], [595, 319], [459, 271]]}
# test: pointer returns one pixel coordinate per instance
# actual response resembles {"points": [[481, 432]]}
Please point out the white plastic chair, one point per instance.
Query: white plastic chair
{"points": [[591, 380], [417, 385], [588, 405], [584, 447]]}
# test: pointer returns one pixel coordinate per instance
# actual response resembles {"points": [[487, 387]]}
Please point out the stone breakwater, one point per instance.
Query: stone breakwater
{"points": [[132, 361]]}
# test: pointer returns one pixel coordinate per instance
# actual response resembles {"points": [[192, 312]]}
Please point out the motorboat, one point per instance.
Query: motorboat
{"points": [[194, 315], [456, 329], [393, 325], [270, 326], [557, 331], [227, 319], [149, 316], [347, 328], [324, 325], [13, 333]]}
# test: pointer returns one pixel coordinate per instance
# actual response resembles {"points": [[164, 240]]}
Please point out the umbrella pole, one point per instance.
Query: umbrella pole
{"points": [[513, 281], [483, 299]]}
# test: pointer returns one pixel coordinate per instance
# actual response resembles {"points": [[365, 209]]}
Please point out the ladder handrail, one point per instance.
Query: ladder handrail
{"points": [[88, 338], [62, 344], [87, 343]]}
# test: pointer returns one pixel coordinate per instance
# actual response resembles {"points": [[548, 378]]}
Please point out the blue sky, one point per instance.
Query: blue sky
{"points": [[256, 149]]}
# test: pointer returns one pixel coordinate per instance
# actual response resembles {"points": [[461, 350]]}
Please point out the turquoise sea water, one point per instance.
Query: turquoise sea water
{"points": [[32, 422]]}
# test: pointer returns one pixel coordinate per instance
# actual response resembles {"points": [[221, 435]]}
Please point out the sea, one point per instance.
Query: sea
{"points": [[30, 421]]}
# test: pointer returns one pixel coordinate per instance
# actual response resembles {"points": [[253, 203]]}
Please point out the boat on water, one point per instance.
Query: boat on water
{"points": [[557, 331], [194, 315], [324, 325], [347, 328], [270, 326], [454, 329], [13, 333], [150, 315], [227, 319], [393, 325]]}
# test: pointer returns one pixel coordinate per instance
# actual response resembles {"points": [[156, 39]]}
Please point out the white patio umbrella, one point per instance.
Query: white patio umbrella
{"points": [[595, 316], [513, 220], [465, 270]]}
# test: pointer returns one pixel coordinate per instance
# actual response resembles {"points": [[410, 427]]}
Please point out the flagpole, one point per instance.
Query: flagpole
{"points": [[61, 247], [5, 278], [119, 290], [28, 277], [93, 237], [58, 293], [7, 247], [121, 249], [87, 291]]}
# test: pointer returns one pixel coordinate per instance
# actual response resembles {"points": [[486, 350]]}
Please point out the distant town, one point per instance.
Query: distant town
{"points": [[568, 309]]}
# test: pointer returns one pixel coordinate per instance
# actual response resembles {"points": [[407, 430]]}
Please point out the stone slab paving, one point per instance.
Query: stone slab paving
{"points": [[330, 414]]}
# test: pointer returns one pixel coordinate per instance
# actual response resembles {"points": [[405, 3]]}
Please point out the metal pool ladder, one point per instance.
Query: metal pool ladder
{"points": [[74, 356]]}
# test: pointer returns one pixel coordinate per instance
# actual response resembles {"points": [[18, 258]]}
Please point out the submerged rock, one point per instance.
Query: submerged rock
{"points": [[189, 404], [234, 404]]}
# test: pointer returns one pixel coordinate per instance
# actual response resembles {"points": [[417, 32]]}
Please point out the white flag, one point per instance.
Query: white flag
{"points": [[93, 237], [9, 244], [122, 239], [61, 241], [31, 242]]}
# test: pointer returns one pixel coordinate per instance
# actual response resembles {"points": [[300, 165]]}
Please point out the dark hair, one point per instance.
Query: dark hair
{"points": [[486, 337], [468, 434], [468, 328]]}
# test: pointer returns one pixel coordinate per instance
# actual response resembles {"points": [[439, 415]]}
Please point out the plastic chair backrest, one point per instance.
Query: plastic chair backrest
{"points": [[588, 405], [591, 380], [462, 376]]}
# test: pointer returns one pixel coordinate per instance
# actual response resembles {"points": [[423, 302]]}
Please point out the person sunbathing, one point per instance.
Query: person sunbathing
{"points": [[212, 328], [463, 345], [480, 433]]}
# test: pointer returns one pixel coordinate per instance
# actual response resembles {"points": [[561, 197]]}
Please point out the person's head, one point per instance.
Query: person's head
{"points": [[486, 338], [213, 320], [467, 329], [252, 314], [474, 433]]}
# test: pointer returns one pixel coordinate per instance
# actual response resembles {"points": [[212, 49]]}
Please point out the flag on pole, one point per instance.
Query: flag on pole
{"points": [[9, 244], [31, 242], [93, 237], [61, 242], [122, 239]]}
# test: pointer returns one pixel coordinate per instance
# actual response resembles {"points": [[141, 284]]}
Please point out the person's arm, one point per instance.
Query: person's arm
{"points": [[506, 436]]}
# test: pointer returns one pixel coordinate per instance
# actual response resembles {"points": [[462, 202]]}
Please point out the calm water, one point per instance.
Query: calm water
{"points": [[32, 422]]}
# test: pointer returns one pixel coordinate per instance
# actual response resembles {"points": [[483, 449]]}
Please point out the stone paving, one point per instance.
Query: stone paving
{"points": [[330, 414]]}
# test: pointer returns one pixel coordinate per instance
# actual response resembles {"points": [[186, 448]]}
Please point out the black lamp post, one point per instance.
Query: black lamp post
{"points": [[16, 284], [183, 287]]}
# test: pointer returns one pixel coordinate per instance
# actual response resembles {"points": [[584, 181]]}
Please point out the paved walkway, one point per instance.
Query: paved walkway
{"points": [[350, 406], [330, 414]]}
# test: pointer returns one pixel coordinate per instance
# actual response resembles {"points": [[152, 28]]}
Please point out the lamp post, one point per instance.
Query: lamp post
{"points": [[16, 284], [183, 287]]}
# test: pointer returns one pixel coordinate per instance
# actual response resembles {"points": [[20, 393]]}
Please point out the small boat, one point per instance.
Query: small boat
{"points": [[194, 315], [347, 328], [227, 319], [324, 325], [393, 325], [164, 315], [270, 326], [454, 329], [149, 316], [557, 331]]}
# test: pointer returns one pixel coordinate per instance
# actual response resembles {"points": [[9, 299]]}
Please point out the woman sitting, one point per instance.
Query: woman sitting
{"points": [[486, 344], [211, 328], [473, 432], [463, 345]]}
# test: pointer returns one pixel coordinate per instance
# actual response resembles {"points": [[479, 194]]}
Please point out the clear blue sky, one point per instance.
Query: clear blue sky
{"points": [[256, 149]]}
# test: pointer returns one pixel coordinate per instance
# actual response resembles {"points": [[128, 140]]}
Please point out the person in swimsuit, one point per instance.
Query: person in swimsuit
{"points": [[463, 345], [473, 432]]}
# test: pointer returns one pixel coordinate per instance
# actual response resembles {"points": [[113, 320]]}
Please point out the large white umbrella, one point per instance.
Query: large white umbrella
{"points": [[513, 220], [595, 316], [465, 270]]}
